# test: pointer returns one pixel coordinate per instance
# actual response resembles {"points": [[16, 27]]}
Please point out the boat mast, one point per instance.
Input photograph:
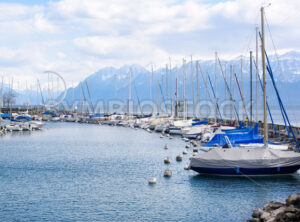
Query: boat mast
{"points": [[250, 87], [171, 89], [176, 108], [193, 91], [256, 66], [197, 82], [152, 85], [264, 76], [216, 88], [1, 102], [167, 96], [184, 91], [231, 106], [242, 86], [129, 91]]}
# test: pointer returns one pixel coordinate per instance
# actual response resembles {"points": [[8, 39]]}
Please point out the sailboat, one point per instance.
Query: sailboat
{"points": [[254, 160]]}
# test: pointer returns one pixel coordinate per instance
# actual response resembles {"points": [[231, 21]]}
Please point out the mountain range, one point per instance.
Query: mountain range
{"points": [[113, 83]]}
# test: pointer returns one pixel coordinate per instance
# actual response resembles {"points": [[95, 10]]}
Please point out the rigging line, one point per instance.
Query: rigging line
{"points": [[279, 99], [217, 105], [90, 96], [280, 67], [261, 85], [244, 107], [162, 96], [41, 92], [205, 83], [226, 85], [137, 97], [84, 96]]}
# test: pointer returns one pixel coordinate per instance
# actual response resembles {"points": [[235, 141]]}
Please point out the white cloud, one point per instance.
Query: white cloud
{"points": [[76, 38]]}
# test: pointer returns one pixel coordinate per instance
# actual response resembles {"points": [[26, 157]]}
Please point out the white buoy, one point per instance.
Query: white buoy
{"points": [[166, 147], [168, 173], [187, 146], [186, 167], [178, 158], [185, 152], [152, 180], [168, 135], [167, 160], [195, 154], [194, 143], [186, 139], [161, 136]]}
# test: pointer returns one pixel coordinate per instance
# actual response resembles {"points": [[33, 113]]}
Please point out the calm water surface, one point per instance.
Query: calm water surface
{"points": [[79, 172]]}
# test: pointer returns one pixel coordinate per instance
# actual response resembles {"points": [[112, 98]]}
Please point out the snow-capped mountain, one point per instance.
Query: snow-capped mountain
{"points": [[112, 83]]}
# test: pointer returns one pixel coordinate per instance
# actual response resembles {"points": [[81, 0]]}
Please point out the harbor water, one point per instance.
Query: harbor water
{"points": [[81, 172]]}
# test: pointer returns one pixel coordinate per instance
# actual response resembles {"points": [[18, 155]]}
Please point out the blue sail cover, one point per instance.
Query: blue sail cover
{"points": [[238, 130], [23, 118], [5, 115], [205, 121], [48, 112], [96, 116], [236, 138]]}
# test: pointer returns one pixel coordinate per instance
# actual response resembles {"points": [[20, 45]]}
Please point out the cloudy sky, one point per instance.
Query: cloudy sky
{"points": [[77, 37]]}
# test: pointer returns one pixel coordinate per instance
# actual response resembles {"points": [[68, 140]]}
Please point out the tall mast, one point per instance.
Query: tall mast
{"points": [[256, 66], [184, 91], [176, 109], [231, 106], [216, 87], [171, 88], [251, 87], [192, 81], [129, 91], [242, 86], [264, 76], [197, 82], [152, 85], [1, 102], [167, 93]]}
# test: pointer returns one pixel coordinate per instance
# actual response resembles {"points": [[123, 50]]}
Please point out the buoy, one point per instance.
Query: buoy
{"points": [[186, 167], [168, 135], [195, 154], [161, 136], [186, 139], [152, 180], [168, 173], [195, 150], [194, 143], [185, 152], [167, 160], [166, 147], [178, 158], [187, 146]]}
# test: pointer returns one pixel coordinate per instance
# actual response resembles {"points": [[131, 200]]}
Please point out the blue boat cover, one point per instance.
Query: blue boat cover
{"points": [[96, 115], [236, 138], [5, 115], [238, 130], [205, 121], [48, 112], [27, 118]]}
